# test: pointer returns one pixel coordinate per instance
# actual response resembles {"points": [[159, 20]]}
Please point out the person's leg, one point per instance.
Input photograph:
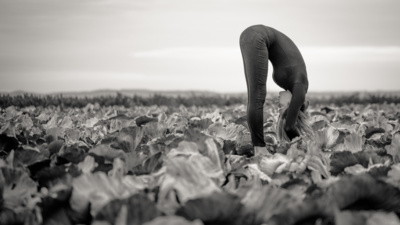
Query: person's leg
{"points": [[255, 59]]}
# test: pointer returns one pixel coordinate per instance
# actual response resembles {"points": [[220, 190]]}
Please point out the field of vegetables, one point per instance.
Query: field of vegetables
{"points": [[158, 165]]}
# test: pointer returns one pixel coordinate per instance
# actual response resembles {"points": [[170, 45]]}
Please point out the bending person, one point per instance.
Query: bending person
{"points": [[259, 44]]}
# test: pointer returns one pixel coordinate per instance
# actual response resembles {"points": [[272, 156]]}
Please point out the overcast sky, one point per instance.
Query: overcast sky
{"points": [[82, 45]]}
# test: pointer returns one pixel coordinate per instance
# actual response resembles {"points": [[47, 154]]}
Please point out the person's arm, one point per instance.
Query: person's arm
{"points": [[298, 98]]}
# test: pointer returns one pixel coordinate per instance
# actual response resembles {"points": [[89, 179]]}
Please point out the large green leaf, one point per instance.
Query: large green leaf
{"points": [[135, 210], [18, 188], [98, 189]]}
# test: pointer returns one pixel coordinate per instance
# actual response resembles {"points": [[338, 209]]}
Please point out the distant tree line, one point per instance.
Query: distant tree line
{"points": [[157, 99], [357, 98], [120, 99]]}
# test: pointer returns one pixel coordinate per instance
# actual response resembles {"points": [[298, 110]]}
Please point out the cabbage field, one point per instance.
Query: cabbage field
{"points": [[169, 165]]}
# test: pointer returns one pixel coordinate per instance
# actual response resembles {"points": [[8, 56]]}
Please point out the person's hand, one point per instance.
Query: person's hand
{"points": [[291, 133], [305, 105]]}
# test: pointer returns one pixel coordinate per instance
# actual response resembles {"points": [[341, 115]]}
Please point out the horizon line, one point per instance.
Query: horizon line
{"points": [[183, 90]]}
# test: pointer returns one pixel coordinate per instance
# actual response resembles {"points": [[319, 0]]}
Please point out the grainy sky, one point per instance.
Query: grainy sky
{"points": [[82, 45]]}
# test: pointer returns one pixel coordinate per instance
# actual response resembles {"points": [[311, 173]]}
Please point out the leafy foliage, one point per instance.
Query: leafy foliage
{"points": [[128, 163]]}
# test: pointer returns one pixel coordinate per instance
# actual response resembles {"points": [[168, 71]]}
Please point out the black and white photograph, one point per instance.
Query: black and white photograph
{"points": [[199, 112]]}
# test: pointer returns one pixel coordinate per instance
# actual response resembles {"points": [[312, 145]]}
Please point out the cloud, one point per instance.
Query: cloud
{"points": [[376, 66], [204, 53], [351, 53], [54, 81], [312, 53]]}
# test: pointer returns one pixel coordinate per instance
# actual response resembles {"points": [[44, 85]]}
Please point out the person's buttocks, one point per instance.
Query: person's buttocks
{"points": [[288, 64]]}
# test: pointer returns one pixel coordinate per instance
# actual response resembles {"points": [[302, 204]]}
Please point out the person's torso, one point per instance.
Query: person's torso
{"points": [[285, 57]]}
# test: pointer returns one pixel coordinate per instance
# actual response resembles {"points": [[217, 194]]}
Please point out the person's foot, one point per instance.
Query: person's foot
{"points": [[261, 151]]}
